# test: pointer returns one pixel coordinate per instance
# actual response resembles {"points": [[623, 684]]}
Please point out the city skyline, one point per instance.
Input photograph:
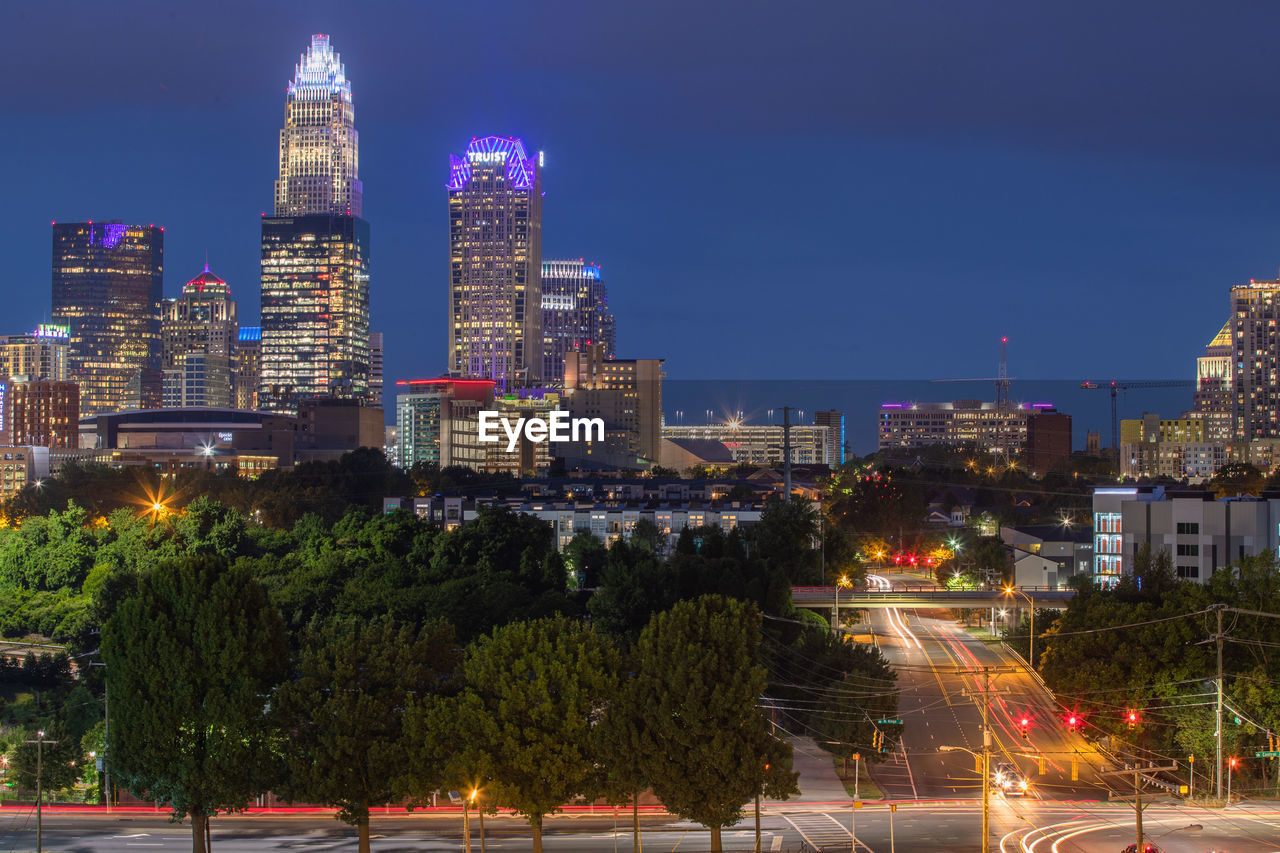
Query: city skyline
{"points": [[1000, 199]]}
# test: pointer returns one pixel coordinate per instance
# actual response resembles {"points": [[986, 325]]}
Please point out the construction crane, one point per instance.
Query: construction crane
{"points": [[1127, 386]]}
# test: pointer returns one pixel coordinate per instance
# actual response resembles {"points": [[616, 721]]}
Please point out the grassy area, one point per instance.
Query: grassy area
{"points": [[982, 634], [867, 789]]}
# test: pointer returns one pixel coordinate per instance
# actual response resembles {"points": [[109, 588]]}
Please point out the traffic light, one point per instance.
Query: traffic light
{"points": [[1026, 731], [1133, 718], [1073, 723]]}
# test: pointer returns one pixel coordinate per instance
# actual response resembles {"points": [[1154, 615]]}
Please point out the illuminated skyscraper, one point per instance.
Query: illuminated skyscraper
{"points": [[198, 336], [575, 314], [1255, 359], [40, 354], [107, 286], [319, 147], [315, 310], [315, 250], [495, 263]]}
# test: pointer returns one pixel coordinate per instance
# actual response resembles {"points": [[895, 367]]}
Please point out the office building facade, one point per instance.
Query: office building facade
{"points": [[626, 393], [41, 413], [315, 249], [437, 422], [107, 288], [495, 263], [575, 314], [837, 441], [990, 426], [198, 335], [315, 310], [248, 367], [39, 354]]}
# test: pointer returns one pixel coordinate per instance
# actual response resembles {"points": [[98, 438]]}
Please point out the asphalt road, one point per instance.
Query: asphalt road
{"points": [[1037, 826], [937, 662]]}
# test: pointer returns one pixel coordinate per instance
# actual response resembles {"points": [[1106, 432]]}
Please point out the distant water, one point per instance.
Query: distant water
{"points": [[700, 401]]}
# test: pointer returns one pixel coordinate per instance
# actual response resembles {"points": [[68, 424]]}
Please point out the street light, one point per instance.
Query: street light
{"points": [[846, 583], [1031, 649], [986, 790]]}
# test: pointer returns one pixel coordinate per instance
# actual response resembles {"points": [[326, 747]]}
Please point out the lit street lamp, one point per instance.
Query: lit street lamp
{"points": [[846, 583], [986, 790]]}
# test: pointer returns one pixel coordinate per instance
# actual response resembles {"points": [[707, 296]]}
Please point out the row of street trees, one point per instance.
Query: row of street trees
{"points": [[214, 710]]}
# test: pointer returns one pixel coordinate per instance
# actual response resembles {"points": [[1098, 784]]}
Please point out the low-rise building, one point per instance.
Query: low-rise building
{"points": [[607, 521], [761, 444], [991, 426], [1202, 534], [20, 466]]}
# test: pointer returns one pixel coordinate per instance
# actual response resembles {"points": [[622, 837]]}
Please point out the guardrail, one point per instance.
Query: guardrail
{"points": [[924, 596]]}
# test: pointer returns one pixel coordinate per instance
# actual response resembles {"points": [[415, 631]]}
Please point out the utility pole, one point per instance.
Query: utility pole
{"points": [[1217, 736], [985, 707], [40, 742], [1137, 787]]}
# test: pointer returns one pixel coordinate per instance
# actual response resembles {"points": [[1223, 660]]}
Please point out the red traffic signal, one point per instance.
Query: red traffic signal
{"points": [[1025, 732]]}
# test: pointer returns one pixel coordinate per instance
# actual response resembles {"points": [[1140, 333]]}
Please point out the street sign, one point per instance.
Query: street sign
{"points": [[1266, 755], [857, 804], [888, 722]]}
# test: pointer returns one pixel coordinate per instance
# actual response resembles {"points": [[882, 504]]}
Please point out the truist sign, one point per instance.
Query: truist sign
{"points": [[558, 427]]}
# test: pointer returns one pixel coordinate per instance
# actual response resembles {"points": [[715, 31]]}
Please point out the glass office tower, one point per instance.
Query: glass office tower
{"points": [[107, 286]]}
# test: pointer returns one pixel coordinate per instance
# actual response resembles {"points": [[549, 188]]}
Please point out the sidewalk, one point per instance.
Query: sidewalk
{"points": [[818, 780]]}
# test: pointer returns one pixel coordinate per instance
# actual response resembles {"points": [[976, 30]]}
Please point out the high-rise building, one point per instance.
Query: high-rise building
{"points": [[42, 413], [575, 313], [198, 335], [375, 369], [1213, 398], [1255, 310], [836, 439], [315, 249], [315, 310], [248, 367], [495, 263], [107, 287], [40, 354], [625, 392], [319, 146]]}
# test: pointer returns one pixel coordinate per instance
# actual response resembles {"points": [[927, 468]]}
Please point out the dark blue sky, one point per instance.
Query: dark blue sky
{"points": [[775, 189]]}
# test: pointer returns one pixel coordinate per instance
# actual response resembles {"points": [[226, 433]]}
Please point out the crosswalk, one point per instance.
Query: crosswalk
{"points": [[822, 832]]}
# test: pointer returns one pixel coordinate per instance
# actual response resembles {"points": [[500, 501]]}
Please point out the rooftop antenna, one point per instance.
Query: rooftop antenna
{"points": [[1002, 377]]}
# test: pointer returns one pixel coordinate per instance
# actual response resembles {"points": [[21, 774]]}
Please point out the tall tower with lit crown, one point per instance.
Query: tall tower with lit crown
{"points": [[315, 250], [319, 146], [495, 263]]}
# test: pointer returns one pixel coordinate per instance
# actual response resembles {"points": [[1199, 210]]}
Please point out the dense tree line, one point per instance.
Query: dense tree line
{"points": [[1143, 647], [310, 659]]}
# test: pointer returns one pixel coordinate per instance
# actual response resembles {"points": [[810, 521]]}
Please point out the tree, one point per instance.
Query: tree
{"points": [[191, 660], [634, 585], [535, 693], [1238, 478], [585, 556], [785, 535], [345, 711], [706, 746]]}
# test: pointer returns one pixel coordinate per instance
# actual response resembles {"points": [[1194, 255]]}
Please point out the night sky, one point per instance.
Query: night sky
{"points": [[775, 190]]}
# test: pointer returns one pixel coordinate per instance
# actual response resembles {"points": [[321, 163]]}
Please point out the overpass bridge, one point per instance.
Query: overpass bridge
{"points": [[929, 596]]}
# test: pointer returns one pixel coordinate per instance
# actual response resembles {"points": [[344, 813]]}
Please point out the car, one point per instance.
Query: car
{"points": [[1008, 780], [1146, 848]]}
